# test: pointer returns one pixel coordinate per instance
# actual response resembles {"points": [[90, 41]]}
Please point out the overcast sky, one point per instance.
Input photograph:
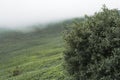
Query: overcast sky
{"points": [[16, 13]]}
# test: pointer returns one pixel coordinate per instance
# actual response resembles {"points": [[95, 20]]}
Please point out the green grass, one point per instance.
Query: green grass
{"points": [[37, 56]]}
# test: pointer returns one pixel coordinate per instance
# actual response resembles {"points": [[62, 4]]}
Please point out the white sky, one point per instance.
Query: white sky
{"points": [[15, 13]]}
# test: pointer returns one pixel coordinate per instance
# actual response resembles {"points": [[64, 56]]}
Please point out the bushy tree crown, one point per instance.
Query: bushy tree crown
{"points": [[93, 47]]}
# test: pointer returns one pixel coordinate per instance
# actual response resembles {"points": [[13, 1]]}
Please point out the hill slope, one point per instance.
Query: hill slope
{"points": [[36, 55]]}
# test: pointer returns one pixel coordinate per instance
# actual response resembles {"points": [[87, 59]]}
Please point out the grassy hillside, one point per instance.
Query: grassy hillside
{"points": [[36, 55]]}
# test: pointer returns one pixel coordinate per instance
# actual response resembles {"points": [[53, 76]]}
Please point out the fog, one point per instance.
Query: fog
{"points": [[21, 13]]}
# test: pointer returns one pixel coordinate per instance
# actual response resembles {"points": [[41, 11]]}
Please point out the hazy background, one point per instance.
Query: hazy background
{"points": [[21, 13]]}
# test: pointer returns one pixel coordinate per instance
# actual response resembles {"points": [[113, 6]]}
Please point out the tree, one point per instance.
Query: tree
{"points": [[93, 47]]}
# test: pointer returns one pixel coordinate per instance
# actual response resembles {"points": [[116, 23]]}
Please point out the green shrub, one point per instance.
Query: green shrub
{"points": [[16, 71], [93, 47]]}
